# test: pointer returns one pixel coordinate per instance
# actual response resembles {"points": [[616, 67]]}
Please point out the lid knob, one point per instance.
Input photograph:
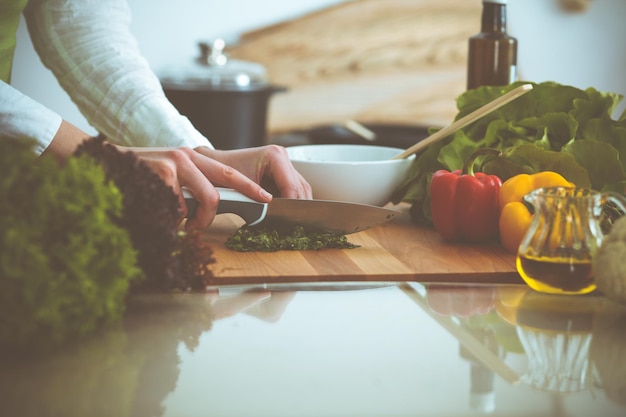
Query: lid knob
{"points": [[213, 54], [213, 70]]}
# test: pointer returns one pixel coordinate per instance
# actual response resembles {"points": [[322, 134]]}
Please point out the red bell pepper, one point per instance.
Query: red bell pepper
{"points": [[464, 205]]}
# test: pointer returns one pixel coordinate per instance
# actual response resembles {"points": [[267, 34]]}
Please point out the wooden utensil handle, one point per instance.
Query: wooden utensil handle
{"points": [[464, 121]]}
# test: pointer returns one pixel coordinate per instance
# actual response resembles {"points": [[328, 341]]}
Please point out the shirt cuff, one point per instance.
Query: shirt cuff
{"points": [[157, 123], [23, 118]]}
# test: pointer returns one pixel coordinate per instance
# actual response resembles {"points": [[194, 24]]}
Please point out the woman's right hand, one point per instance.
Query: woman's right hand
{"points": [[200, 175], [199, 172]]}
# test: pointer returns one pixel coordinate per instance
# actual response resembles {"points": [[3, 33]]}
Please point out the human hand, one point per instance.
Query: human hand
{"points": [[200, 174], [262, 304], [266, 165], [202, 169], [460, 301]]}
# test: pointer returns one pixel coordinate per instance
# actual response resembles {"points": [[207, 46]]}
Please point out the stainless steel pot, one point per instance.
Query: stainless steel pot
{"points": [[226, 100]]}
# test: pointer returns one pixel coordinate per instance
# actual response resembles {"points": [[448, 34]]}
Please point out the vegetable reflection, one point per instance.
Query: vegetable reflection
{"points": [[130, 367], [608, 352], [126, 369]]}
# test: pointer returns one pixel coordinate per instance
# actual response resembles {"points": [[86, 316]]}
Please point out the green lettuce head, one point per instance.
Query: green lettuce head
{"points": [[65, 264]]}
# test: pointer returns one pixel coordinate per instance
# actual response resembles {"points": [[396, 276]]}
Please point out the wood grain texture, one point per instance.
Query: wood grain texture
{"points": [[398, 251], [389, 61]]}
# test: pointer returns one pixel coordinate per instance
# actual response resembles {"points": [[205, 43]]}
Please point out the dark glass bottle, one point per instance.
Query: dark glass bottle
{"points": [[492, 57]]}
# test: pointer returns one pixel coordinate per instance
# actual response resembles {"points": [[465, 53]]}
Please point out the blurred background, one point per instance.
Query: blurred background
{"points": [[391, 61]]}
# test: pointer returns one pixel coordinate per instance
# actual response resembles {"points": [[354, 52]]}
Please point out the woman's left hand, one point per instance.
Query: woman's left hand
{"points": [[267, 165]]}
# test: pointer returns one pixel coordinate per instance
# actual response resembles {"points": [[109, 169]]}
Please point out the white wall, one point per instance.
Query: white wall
{"points": [[553, 45], [167, 32], [580, 49]]}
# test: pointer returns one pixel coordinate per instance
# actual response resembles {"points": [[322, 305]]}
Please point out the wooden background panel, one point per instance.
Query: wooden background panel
{"points": [[400, 61]]}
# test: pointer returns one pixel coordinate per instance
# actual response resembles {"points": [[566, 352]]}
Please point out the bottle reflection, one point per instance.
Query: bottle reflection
{"points": [[556, 332], [472, 308], [570, 344], [556, 362], [482, 392]]}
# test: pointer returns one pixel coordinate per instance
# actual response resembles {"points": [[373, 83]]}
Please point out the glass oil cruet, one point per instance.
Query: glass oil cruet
{"points": [[555, 255]]}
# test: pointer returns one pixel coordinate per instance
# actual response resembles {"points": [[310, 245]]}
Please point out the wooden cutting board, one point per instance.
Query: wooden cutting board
{"points": [[398, 251]]}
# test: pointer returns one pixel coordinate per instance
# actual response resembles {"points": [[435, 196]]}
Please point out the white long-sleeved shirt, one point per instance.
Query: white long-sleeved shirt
{"points": [[88, 46], [23, 118]]}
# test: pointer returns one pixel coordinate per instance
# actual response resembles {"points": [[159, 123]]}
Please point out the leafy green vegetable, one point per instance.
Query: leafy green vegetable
{"points": [[77, 239], [252, 239], [65, 267], [553, 127], [170, 259], [528, 159]]}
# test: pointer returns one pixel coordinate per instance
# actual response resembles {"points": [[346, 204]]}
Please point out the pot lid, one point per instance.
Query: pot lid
{"points": [[213, 70]]}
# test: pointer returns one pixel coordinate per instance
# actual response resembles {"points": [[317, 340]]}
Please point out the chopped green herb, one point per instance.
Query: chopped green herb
{"points": [[253, 239]]}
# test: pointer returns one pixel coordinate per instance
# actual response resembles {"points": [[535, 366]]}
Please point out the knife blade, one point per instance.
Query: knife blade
{"points": [[330, 216]]}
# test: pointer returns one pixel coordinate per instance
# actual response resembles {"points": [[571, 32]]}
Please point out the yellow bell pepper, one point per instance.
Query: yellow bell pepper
{"points": [[515, 217]]}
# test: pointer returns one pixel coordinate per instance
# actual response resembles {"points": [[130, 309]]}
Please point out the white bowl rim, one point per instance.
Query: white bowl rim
{"points": [[348, 146]]}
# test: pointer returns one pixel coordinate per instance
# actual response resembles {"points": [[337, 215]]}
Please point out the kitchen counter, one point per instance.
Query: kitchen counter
{"points": [[341, 349], [404, 325]]}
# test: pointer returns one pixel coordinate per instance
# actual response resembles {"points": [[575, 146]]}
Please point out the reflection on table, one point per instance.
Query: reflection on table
{"points": [[337, 350]]}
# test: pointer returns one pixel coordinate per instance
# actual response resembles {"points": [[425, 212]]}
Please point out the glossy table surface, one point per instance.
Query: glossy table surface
{"points": [[375, 349]]}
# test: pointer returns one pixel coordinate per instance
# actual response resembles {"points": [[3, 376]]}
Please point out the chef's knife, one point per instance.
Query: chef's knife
{"points": [[329, 216]]}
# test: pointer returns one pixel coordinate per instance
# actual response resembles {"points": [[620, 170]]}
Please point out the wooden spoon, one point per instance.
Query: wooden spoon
{"points": [[464, 121], [360, 130]]}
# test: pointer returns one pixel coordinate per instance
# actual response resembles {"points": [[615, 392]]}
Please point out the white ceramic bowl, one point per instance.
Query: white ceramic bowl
{"points": [[363, 174]]}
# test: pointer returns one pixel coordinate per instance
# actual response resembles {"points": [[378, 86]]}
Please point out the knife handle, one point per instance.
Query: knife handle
{"points": [[231, 201]]}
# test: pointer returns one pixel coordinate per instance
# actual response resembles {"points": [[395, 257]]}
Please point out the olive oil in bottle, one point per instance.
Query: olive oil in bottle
{"points": [[492, 58], [555, 275]]}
